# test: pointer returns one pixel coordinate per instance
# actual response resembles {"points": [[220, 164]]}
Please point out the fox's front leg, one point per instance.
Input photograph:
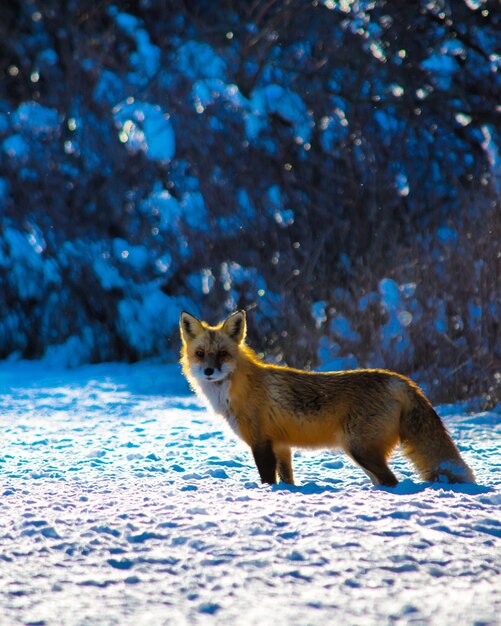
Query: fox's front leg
{"points": [[266, 462], [284, 463]]}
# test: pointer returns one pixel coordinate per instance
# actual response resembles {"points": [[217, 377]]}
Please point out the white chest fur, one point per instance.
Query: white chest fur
{"points": [[218, 398]]}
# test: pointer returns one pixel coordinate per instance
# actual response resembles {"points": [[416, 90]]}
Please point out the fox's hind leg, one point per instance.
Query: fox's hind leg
{"points": [[373, 462], [284, 460], [370, 436]]}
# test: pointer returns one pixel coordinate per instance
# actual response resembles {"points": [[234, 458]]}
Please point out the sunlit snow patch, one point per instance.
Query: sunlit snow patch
{"points": [[38, 119], [318, 312], [393, 332], [442, 65], [144, 126], [16, 148], [30, 118], [283, 217], [137, 257], [146, 58], [284, 103], [342, 328], [198, 60], [28, 270], [190, 209], [149, 317], [137, 507]]}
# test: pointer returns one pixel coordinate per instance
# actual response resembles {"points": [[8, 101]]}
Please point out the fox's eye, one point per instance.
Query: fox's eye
{"points": [[199, 354], [222, 354]]}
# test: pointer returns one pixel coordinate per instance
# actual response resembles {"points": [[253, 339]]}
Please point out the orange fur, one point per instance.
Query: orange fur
{"points": [[273, 409]]}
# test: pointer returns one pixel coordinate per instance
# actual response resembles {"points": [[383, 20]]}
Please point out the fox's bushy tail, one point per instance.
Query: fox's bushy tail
{"points": [[426, 442]]}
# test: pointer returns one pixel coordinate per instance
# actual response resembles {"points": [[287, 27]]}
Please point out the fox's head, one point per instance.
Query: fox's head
{"points": [[209, 353]]}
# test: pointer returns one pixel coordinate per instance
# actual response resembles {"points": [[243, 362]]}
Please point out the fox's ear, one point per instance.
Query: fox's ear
{"points": [[190, 326], [236, 327]]}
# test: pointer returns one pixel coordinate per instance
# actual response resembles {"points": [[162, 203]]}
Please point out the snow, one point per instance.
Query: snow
{"points": [[318, 312], [246, 205], [148, 318], [329, 355], [16, 148], [36, 118], [342, 328], [161, 203], [136, 256], [125, 502], [194, 210], [198, 60], [28, 271], [146, 58], [263, 102], [108, 275], [145, 126], [283, 102], [402, 184], [393, 335], [283, 217], [442, 66], [109, 88], [446, 235], [205, 91], [334, 130], [75, 351]]}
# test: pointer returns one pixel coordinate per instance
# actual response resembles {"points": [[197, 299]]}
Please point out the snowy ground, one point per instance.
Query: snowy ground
{"points": [[124, 502]]}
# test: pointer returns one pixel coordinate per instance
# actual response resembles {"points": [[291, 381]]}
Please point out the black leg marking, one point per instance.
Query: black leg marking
{"points": [[375, 466], [266, 462]]}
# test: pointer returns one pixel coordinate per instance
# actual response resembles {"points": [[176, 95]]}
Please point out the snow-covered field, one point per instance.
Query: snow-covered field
{"points": [[124, 502]]}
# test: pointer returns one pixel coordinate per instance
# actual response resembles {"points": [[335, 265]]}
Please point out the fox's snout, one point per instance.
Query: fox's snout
{"points": [[211, 367]]}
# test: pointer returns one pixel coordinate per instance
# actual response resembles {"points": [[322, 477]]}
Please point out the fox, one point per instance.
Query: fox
{"points": [[273, 408]]}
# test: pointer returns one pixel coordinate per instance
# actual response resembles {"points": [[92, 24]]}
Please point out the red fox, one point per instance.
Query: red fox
{"points": [[365, 412]]}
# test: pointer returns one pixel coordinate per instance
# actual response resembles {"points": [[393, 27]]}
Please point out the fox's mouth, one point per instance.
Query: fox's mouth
{"points": [[215, 379]]}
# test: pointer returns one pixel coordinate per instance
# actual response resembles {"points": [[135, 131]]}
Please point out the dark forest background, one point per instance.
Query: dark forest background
{"points": [[332, 167]]}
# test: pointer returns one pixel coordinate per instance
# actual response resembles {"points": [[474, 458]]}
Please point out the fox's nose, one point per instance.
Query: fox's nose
{"points": [[208, 371]]}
